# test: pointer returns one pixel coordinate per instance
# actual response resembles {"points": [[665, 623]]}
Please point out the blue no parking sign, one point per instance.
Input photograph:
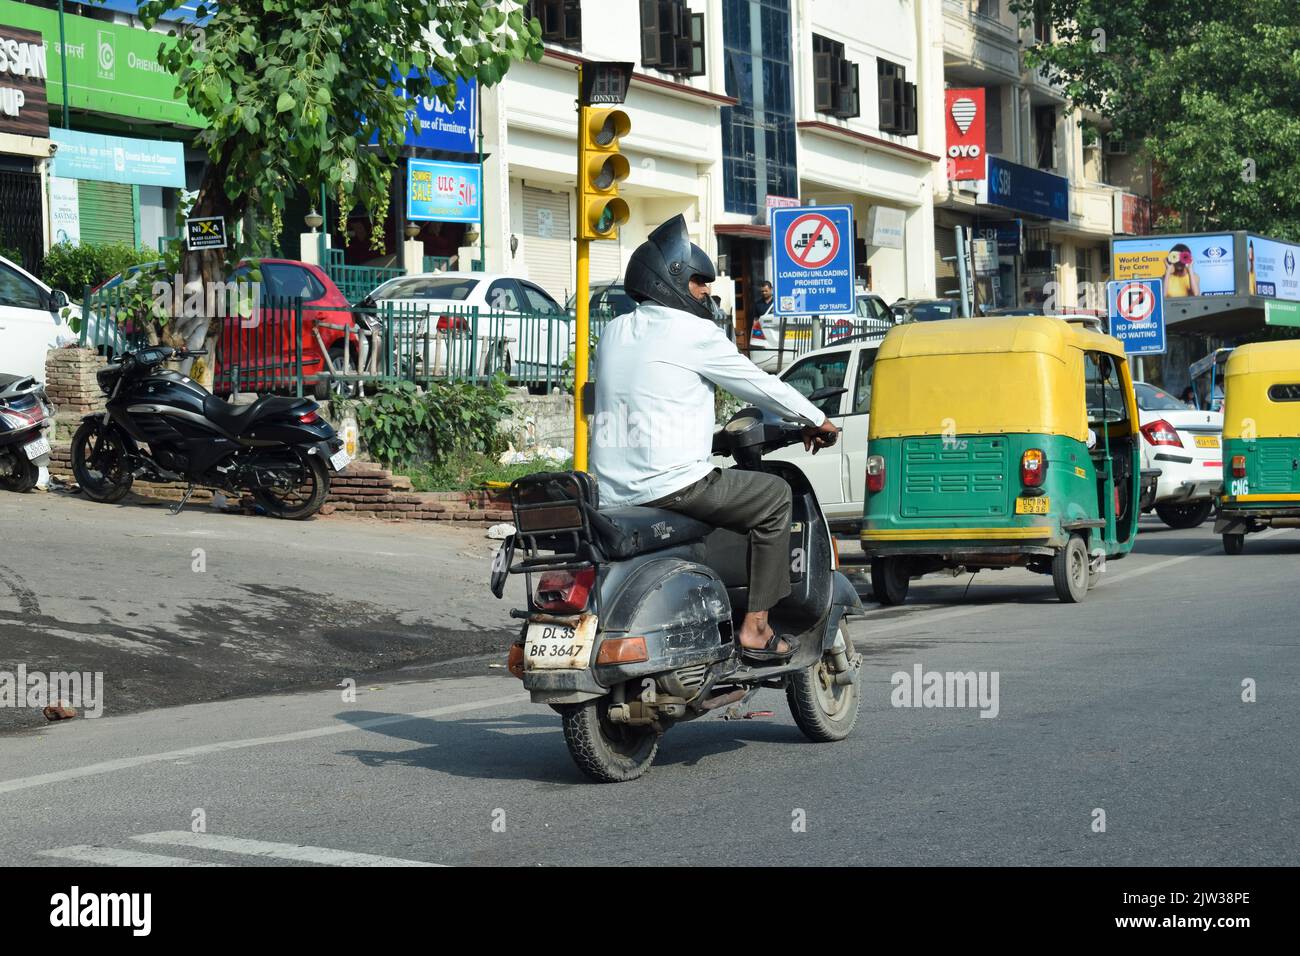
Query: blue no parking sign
{"points": [[812, 254], [1137, 315]]}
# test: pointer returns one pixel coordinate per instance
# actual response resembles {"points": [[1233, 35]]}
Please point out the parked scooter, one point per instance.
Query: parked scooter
{"points": [[632, 625], [25, 415], [279, 449]]}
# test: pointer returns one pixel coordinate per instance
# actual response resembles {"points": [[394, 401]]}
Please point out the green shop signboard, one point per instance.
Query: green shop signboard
{"points": [[111, 68]]}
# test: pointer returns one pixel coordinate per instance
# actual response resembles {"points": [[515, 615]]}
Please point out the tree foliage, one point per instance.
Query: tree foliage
{"points": [[1210, 91], [296, 95]]}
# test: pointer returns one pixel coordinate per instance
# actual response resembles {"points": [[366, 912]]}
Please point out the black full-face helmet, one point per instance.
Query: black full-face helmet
{"points": [[660, 270]]}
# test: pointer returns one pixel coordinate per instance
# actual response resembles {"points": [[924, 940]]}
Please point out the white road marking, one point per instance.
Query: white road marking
{"points": [[126, 763], [279, 851], [107, 856]]}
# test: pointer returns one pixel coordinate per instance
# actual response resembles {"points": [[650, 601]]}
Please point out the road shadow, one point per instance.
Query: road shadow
{"points": [[531, 746]]}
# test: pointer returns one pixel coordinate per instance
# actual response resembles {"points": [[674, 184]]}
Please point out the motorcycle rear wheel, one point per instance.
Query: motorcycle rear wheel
{"points": [[605, 751], [101, 467], [301, 500], [824, 710]]}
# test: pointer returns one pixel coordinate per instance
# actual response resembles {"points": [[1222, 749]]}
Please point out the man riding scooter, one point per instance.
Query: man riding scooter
{"points": [[656, 370]]}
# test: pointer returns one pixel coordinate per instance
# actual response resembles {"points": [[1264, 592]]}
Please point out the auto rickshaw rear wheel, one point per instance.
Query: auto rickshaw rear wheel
{"points": [[1234, 544], [1070, 571], [890, 580]]}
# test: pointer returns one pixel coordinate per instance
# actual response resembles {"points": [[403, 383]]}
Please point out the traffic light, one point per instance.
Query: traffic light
{"points": [[601, 167]]}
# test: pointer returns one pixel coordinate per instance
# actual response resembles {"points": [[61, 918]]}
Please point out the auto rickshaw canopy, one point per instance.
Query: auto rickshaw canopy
{"points": [[1262, 391], [1018, 375]]}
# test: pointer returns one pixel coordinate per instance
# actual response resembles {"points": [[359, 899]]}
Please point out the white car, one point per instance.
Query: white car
{"points": [[525, 329], [872, 315], [838, 474], [1186, 444], [33, 320]]}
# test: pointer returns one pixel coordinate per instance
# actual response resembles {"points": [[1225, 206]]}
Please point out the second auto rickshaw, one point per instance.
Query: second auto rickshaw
{"points": [[1000, 442], [1261, 442]]}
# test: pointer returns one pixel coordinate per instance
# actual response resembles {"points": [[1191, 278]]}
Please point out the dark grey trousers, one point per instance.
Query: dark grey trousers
{"points": [[747, 502]]}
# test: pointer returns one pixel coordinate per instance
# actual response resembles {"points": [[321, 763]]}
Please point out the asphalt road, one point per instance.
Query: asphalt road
{"points": [[1130, 703]]}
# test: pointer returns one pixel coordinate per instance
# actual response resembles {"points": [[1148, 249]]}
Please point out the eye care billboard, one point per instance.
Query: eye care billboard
{"points": [[1271, 267], [1190, 265]]}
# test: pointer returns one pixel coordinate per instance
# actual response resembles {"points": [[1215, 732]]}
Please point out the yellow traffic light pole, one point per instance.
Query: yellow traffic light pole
{"points": [[600, 212]]}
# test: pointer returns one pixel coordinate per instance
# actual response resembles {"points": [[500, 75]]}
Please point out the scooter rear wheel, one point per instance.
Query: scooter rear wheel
{"points": [[605, 751], [824, 710], [25, 474]]}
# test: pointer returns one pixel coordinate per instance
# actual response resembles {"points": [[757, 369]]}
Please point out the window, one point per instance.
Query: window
{"points": [[1104, 393], [820, 371], [1045, 136], [1284, 393], [862, 387], [503, 295], [835, 79], [291, 282], [539, 301], [1152, 399], [897, 99], [19, 293], [561, 20], [993, 119], [451, 290], [672, 38], [989, 8]]}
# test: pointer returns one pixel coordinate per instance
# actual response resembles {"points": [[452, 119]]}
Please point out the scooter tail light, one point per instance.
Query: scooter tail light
{"points": [[1033, 468], [310, 418], [1239, 466], [875, 473], [515, 660], [623, 650], [1160, 432], [565, 591]]}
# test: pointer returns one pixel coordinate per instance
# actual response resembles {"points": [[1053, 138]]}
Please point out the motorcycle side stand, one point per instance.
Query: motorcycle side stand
{"points": [[176, 509]]}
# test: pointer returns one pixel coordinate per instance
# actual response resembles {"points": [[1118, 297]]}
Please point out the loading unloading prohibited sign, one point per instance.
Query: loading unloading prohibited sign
{"points": [[812, 253]]}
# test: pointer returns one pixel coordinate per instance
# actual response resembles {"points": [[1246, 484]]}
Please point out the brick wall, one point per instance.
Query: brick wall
{"points": [[70, 381]]}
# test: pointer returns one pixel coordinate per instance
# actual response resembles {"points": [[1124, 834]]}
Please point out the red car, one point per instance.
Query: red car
{"points": [[259, 352]]}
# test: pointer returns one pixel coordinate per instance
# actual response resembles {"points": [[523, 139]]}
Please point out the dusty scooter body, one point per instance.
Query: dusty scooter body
{"points": [[632, 624], [25, 421]]}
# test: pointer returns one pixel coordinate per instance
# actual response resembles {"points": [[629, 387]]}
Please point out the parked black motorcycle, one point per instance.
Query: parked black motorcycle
{"points": [[632, 624], [25, 414], [279, 449]]}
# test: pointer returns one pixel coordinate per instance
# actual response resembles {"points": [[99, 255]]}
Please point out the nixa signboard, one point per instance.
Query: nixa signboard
{"points": [[23, 110], [963, 115]]}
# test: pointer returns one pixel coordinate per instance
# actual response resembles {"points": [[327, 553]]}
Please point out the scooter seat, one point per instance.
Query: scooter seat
{"points": [[628, 532], [236, 419]]}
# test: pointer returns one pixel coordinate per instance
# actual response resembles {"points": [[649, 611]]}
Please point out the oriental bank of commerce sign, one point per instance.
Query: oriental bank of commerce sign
{"points": [[106, 60]]}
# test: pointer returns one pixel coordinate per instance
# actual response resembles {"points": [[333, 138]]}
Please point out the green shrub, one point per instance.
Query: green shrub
{"points": [[403, 425], [73, 267]]}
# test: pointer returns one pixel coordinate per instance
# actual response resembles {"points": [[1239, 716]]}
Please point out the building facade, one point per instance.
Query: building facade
{"points": [[736, 106], [1050, 200]]}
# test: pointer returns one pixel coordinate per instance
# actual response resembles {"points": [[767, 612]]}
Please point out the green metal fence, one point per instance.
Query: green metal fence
{"points": [[356, 282]]}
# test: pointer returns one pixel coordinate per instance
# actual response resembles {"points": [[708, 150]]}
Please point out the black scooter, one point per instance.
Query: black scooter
{"points": [[278, 449], [631, 626], [25, 414]]}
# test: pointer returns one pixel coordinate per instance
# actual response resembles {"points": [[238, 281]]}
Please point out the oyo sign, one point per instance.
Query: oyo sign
{"points": [[964, 122]]}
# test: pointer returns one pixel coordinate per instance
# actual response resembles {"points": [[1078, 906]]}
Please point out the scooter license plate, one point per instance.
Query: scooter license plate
{"points": [[559, 646], [340, 460], [36, 449]]}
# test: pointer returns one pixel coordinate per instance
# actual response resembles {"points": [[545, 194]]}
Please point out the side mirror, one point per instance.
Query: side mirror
{"points": [[59, 300], [828, 391]]}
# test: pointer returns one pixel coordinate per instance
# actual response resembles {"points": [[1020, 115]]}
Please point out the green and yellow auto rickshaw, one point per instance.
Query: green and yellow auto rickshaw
{"points": [[1261, 442], [1000, 442]]}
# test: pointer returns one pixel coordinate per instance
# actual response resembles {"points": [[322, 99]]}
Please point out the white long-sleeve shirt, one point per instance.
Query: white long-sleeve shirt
{"points": [[652, 428]]}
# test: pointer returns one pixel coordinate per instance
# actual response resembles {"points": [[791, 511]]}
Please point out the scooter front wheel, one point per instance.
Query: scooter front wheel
{"points": [[825, 709], [605, 751], [23, 476]]}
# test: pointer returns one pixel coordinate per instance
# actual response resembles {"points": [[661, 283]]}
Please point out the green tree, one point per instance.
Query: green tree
{"points": [[1209, 90], [294, 92]]}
